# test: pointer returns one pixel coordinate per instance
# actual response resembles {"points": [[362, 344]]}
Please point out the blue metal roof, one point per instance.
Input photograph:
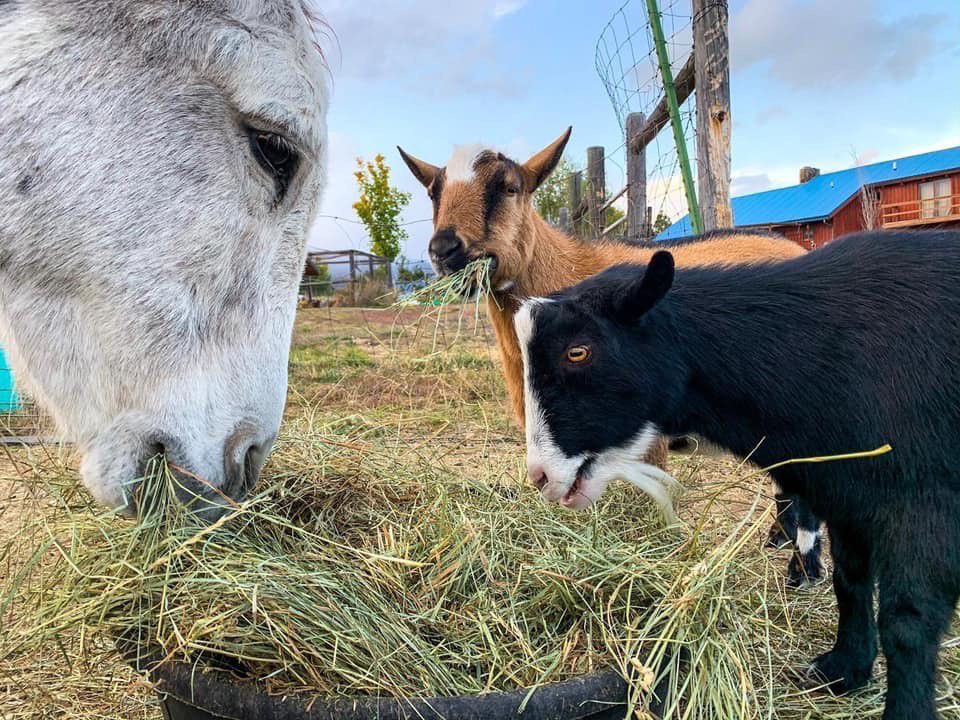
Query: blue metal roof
{"points": [[820, 197]]}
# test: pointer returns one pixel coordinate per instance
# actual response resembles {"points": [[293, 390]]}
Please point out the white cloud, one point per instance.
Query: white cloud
{"points": [[770, 113], [507, 7], [910, 141], [433, 47], [749, 184], [820, 43]]}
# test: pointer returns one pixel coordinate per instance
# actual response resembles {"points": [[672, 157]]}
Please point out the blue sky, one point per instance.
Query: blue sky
{"points": [[813, 82]]}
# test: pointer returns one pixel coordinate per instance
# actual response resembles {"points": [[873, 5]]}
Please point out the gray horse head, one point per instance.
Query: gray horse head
{"points": [[162, 161]]}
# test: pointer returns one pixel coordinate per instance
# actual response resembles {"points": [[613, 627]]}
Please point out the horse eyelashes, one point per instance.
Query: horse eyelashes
{"points": [[278, 157]]}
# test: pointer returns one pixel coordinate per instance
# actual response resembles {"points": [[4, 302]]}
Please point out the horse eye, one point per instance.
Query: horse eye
{"points": [[578, 353], [275, 155], [273, 151]]}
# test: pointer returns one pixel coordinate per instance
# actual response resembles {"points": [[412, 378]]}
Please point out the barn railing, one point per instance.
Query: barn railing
{"points": [[907, 213], [346, 269]]}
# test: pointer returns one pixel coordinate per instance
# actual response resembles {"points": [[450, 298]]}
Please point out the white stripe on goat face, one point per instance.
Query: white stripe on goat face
{"points": [[544, 457]]}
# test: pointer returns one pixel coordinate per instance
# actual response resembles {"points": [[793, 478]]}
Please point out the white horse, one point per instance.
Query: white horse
{"points": [[161, 163]]}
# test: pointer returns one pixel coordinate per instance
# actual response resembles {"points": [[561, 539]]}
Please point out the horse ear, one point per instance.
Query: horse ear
{"points": [[538, 168], [422, 171], [646, 290]]}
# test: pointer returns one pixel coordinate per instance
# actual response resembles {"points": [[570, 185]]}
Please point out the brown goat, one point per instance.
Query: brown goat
{"points": [[482, 206]]}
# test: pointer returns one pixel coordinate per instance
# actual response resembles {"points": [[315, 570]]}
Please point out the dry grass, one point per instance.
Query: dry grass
{"points": [[398, 392], [364, 568]]}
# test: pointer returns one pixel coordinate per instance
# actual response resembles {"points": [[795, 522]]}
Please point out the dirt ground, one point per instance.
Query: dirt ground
{"points": [[433, 382]]}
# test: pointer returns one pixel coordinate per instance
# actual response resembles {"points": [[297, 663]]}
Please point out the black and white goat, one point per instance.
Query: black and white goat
{"points": [[844, 349]]}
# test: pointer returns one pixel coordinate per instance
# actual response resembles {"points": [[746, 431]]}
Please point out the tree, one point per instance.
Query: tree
{"points": [[662, 222], [380, 206], [613, 214], [414, 276], [552, 194], [323, 280]]}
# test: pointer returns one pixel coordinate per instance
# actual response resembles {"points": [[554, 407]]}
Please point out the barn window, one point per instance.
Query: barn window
{"points": [[935, 198], [808, 236]]}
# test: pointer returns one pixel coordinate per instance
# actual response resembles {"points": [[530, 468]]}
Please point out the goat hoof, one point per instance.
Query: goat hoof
{"points": [[804, 572], [777, 539], [837, 673], [802, 581]]}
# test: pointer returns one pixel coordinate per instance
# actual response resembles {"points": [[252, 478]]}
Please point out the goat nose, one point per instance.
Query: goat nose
{"points": [[445, 243], [243, 459], [537, 475]]}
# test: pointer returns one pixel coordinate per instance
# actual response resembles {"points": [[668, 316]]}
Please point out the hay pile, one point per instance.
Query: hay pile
{"points": [[355, 570], [393, 548]]}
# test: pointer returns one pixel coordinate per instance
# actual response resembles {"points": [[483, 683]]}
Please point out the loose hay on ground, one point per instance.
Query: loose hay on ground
{"points": [[355, 570], [420, 480]]}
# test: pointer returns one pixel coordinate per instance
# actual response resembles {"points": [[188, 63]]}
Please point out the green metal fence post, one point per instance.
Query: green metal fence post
{"points": [[670, 92]]}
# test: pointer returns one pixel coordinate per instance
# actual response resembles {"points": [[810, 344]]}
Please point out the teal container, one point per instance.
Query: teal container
{"points": [[9, 400]]}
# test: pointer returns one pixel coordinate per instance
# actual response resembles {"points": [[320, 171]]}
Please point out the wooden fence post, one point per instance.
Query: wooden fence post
{"points": [[353, 276], [565, 220], [711, 57], [636, 180], [596, 189], [574, 201]]}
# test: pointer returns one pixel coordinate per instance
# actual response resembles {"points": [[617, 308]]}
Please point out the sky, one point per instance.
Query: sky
{"points": [[825, 83]]}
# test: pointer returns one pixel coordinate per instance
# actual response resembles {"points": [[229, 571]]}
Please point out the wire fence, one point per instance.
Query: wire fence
{"points": [[627, 63], [24, 425], [21, 421]]}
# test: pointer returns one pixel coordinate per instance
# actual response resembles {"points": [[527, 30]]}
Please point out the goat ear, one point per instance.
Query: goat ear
{"points": [[422, 171], [646, 290], [538, 168]]}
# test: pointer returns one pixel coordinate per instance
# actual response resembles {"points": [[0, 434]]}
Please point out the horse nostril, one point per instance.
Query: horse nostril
{"points": [[253, 465], [243, 460]]}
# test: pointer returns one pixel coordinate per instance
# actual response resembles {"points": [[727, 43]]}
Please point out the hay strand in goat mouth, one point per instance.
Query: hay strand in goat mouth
{"points": [[474, 281], [358, 571]]}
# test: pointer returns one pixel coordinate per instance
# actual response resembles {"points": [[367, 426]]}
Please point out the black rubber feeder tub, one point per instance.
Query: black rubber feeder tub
{"points": [[187, 693]]}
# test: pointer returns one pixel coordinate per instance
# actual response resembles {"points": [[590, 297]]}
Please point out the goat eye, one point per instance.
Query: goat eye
{"points": [[512, 189], [578, 354], [275, 155]]}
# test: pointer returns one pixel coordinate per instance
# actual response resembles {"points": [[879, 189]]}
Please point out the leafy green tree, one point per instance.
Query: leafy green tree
{"points": [[552, 194], [380, 206], [323, 279], [662, 222], [415, 276], [611, 216]]}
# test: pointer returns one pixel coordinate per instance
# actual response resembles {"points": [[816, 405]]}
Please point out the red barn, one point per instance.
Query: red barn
{"points": [[910, 192]]}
